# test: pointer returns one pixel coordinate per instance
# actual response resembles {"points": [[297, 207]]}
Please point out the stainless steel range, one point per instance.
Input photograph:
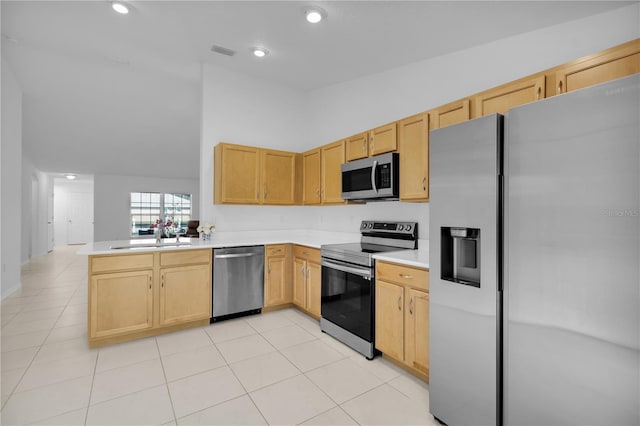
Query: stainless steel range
{"points": [[348, 279]]}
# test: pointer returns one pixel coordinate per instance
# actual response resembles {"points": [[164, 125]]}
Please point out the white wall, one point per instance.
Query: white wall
{"points": [[112, 197], [241, 109], [62, 190], [10, 173], [34, 235], [245, 110], [337, 111]]}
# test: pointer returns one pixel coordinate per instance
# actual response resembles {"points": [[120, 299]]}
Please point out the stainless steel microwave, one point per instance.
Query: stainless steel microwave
{"points": [[373, 178]]}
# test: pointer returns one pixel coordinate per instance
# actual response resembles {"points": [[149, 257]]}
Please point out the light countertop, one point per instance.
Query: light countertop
{"points": [[221, 239], [418, 258]]}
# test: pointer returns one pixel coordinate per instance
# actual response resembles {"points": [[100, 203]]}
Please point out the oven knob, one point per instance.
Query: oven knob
{"points": [[370, 225], [408, 228], [400, 227]]}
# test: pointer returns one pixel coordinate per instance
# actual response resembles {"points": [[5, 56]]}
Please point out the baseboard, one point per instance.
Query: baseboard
{"points": [[6, 292]]}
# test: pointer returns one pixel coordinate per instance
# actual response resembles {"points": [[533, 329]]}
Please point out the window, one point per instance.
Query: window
{"points": [[148, 208]]}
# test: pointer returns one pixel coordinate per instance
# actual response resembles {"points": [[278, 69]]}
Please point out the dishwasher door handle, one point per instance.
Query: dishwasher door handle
{"points": [[235, 255]]}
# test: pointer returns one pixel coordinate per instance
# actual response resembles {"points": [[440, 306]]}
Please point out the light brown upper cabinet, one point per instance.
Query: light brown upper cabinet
{"points": [[502, 98], [617, 62], [452, 113], [358, 146], [236, 174], [383, 139], [278, 177], [249, 175], [322, 177], [377, 141], [311, 177], [413, 146], [332, 157]]}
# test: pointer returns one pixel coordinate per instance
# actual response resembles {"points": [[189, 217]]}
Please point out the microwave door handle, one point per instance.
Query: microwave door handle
{"points": [[373, 176]]}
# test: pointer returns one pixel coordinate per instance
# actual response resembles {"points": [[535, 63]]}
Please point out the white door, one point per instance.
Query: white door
{"points": [[80, 229]]}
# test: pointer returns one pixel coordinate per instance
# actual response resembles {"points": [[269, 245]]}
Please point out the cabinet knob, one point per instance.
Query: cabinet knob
{"points": [[265, 193], [424, 183], [399, 303], [149, 282], [538, 93], [269, 267], [411, 306], [560, 87], [407, 277], [364, 145], [162, 281]]}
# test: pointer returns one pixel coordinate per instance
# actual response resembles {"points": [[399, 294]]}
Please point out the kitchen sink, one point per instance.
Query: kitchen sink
{"points": [[149, 245]]}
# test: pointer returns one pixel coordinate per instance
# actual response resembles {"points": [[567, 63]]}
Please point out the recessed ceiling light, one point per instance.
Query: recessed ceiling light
{"points": [[70, 176], [260, 52], [315, 14], [120, 7]]}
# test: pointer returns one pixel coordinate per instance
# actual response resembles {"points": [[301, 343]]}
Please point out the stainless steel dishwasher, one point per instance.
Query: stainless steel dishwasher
{"points": [[238, 281]]}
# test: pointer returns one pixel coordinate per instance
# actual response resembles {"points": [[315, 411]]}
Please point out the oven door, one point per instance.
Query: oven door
{"points": [[347, 297]]}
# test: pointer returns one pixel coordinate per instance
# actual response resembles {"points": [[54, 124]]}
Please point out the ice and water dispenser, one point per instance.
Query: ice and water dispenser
{"points": [[460, 255]]}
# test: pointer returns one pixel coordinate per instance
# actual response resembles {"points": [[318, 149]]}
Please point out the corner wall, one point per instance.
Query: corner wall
{"points": [[245, 110], [111, 196], [11, 171]]}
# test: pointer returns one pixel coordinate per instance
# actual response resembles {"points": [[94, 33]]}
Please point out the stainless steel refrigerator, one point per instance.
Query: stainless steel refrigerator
{"points": [[535, 263]]}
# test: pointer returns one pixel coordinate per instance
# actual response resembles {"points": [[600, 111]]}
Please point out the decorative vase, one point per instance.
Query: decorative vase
{"points": [[205, 236]]}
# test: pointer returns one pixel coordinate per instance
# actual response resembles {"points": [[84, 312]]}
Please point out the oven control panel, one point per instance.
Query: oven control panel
{"points": [[407, 228]]}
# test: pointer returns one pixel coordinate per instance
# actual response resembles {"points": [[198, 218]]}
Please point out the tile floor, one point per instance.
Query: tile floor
{"points": [[275, 368]]}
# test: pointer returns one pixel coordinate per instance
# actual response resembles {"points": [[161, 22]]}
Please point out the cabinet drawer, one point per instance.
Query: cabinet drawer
{"points": [[406, 275], [275, 250], [185, 257], [125, 262], [308, 253]]}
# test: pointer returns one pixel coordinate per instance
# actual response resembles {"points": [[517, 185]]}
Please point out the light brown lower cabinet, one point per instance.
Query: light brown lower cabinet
{"points": [[277, 275], [306, 279], [402, 315], [137, 295]]}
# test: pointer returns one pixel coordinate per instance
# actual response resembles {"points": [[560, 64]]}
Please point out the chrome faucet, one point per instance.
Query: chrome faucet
{"points": [[159, 231]]}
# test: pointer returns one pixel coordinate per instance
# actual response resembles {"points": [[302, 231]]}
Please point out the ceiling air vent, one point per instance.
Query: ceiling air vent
{"points": [[222, 50]]}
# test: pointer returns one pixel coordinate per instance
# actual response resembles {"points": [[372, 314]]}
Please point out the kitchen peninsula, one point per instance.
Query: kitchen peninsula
{"points": [[146, 289]]}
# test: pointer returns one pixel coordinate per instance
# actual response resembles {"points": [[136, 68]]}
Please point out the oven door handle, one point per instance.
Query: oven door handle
{"points": [[365, 273]]}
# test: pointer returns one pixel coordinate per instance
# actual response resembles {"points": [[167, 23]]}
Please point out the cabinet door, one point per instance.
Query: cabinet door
{"points": [[185, 294], [311, 177], [278, 177], [120, 303], [299, 282], [417, 330], [314, 291], [611, 64], [452, 113], [503, 98], [237, 174], [389, 319], [333, 156], [357, 146], [275, 292], [383, 139], [413, 146]]}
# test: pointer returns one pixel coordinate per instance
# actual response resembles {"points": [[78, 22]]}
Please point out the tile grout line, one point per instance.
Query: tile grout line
{"points": [[93, 380], [166, 382], [30, 364]]}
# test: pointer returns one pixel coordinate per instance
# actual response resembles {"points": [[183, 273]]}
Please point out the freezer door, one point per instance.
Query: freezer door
{"points": [[464, 169], [572, 281]]}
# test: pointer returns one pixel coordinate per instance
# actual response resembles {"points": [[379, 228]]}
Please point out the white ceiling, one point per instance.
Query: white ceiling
{"points": [[106, 93]]}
